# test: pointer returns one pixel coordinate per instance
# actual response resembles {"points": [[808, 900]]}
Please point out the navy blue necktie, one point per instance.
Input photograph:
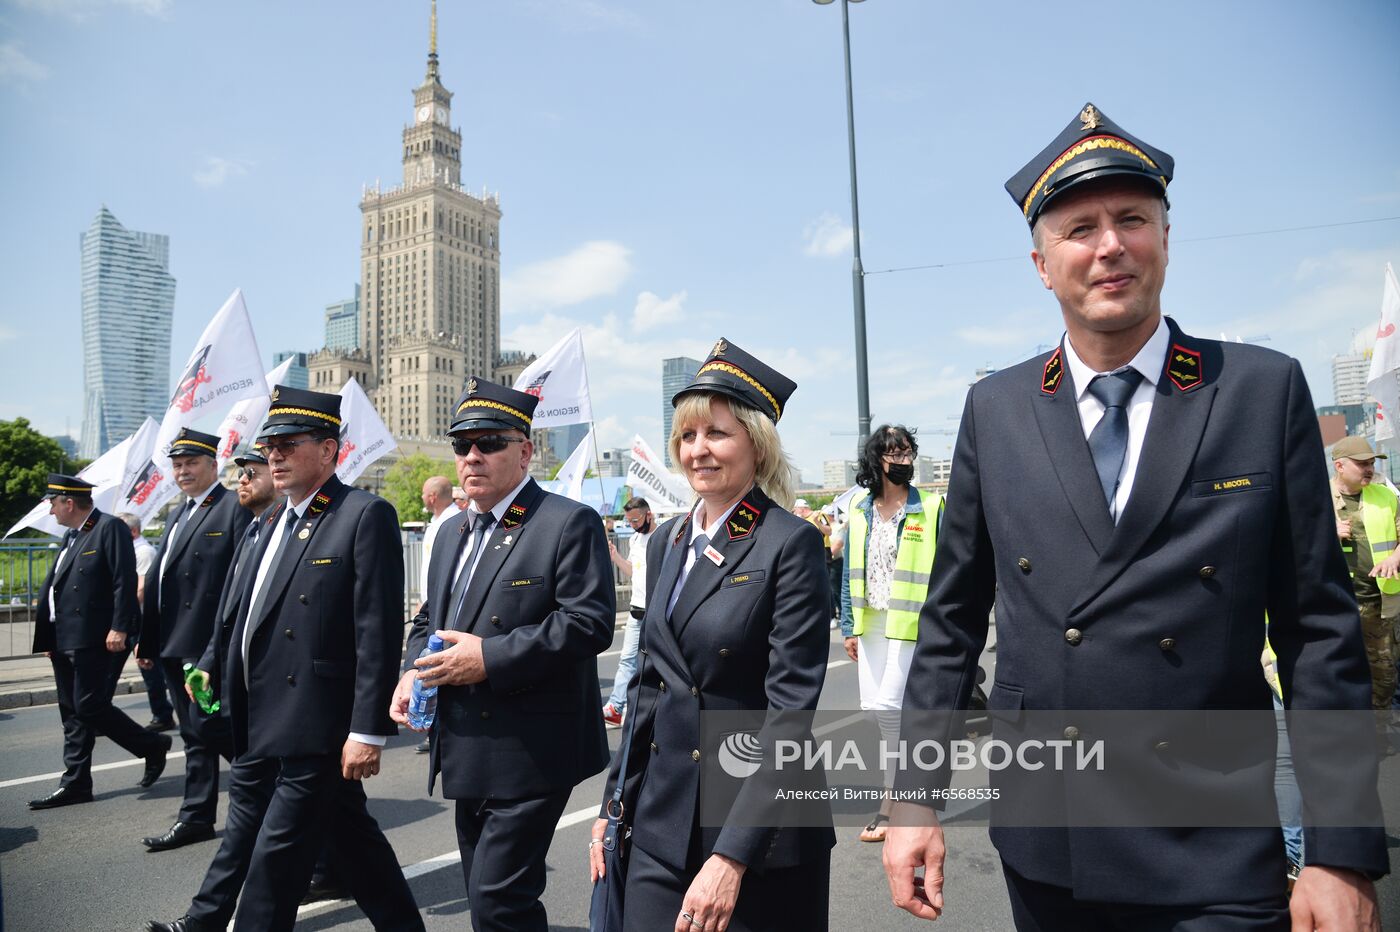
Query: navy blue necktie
{"points": [[480, 528], [1108, 441]]}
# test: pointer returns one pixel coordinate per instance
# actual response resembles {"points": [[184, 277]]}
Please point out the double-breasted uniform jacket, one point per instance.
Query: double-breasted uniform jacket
{"points": [[1229, 517], [241, 569], [543, 602], [95, 588], [177, 618], [324, 655], [747, 635]]}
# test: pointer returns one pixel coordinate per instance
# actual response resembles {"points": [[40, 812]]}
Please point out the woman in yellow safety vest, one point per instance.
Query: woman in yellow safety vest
{"points": [[889, 548]]}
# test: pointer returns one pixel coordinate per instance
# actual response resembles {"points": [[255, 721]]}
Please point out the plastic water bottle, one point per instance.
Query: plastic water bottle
{"points": [[422, 707], [199, 685]]}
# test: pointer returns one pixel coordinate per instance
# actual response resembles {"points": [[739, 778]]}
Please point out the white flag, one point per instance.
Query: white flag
{"points": [[666, 492], [559, 380], [109, 474], [240, 425], [576, 467], [148, 482], [1383, 382], [224, 368], [363, 436]]}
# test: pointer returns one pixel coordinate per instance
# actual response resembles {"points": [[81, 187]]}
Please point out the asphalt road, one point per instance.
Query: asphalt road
{"points": [[84, 868]]}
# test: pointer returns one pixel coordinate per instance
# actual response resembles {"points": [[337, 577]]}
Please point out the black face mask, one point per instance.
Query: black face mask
{"points": [[900, 473], [647, 525]]}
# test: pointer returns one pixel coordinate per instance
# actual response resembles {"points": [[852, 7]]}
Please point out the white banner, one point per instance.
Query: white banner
{"points": [[240, 425], [110, 473], [1383, 382], [363, 436], [666, 492], [559, 379], [224, 368], [575, 468]]}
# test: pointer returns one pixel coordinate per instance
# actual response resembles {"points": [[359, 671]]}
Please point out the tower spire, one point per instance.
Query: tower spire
{"points": [[432, 44]]}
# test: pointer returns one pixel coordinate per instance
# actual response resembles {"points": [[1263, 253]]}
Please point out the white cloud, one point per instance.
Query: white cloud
{"points": [[17, 67], [217, 170], [593, 270], [652, 310], [827, 236], [81, 10]]}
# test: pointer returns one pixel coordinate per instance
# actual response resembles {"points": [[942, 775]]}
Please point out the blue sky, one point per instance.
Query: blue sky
{"points": [[674, 172]]}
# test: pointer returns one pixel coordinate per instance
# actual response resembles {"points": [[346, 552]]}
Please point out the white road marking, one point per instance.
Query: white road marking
{"points": [[45, 777]]}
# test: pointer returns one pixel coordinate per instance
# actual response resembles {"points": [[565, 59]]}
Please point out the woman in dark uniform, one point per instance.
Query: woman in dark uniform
{"points": [[736, 619]]}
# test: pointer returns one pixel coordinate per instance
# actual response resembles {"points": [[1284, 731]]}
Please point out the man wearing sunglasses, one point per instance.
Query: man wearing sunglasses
{"points": [[307, 674], [182, 595], [520, 589]]}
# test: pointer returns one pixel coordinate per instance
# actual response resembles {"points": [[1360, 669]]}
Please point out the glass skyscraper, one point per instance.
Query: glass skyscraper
{"points": [[343, 323], [128, 297], [676, 373], [297, 374]]}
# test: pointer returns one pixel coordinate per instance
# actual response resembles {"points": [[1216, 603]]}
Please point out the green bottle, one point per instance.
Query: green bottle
{"points": [[198, 682]]}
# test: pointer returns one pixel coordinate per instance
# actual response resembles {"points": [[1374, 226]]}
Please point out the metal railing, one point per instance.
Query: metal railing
{"points": [[23, 566]]}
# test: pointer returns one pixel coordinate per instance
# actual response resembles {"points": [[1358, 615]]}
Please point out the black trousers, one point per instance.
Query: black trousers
{"points": [[835, 570], [84, 681], [769, 901], [206, 738], [503, 844], [1043, 907], [281, 813]]}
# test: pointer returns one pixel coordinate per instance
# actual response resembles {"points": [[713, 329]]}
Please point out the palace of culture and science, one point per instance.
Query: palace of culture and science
{"points": [[430, 263]]}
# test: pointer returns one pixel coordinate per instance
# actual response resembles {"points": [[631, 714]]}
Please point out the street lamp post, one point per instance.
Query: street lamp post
{"points": [[857, 270]]}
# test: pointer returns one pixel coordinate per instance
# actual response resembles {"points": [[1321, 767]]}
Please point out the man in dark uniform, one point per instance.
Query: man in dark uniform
{"points": [[306, 678], [520, 589], [87, 610], [183, 588], [1132, 562]]}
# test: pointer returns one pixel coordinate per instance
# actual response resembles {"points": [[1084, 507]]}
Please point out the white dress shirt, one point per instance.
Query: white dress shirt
{"points": [[430, 535], [696, 530], [1149, 363], [185, 515]]}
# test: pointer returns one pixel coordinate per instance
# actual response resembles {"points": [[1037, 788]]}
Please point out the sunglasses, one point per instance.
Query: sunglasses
{"points": [[488, 444], [283, 447]]}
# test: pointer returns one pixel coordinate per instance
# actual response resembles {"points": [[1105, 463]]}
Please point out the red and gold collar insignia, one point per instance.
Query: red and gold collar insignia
{"points": [[274, 513], [742, 520], [88, 524], [513, 517], [208, 501], [319, 503], [1054, 373], [1184, 367]]}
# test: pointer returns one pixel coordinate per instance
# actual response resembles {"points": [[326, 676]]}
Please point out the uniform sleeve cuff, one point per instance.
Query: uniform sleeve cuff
{"points": [[377, 741]]}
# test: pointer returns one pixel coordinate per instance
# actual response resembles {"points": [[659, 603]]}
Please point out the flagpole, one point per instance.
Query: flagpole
{"points": [[593, 432], [592, 427]]}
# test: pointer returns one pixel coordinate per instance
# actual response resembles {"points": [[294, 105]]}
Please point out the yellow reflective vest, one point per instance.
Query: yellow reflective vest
{"points": [[1378, 506], [912, 567]]}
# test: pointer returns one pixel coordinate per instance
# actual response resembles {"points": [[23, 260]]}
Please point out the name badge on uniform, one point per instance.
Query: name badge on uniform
{"points": [[714, 555]]}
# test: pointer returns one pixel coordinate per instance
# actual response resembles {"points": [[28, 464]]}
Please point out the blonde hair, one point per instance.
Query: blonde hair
{"points": [[774, 472]]}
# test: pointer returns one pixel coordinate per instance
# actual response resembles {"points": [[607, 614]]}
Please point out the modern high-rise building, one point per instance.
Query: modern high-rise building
{"points": [[297, 375], [128, 301], [430, 259], [343, 323], [676, 373], [1349, 374], [839, 474]]}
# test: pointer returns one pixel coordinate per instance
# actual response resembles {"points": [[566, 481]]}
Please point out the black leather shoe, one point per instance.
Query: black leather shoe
{"points": [[179, 835], [63, 796], [155, 763], [183, 924], [424, 746], [160, 724], [323, 888]]}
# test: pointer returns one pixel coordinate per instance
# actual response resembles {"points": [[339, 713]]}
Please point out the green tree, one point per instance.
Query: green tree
{"points": [[403, 484], [26, 459]]}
